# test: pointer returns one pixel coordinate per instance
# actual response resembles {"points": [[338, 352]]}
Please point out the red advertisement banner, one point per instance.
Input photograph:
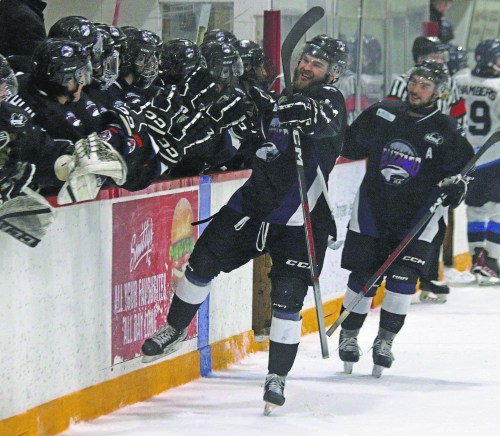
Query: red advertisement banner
{"points": [[152, 241]]}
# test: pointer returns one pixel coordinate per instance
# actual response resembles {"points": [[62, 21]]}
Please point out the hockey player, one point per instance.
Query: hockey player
{"points": [[264, 216], [450, 103], [481, 91], [220, 35], [27, 157], [411, 148]]}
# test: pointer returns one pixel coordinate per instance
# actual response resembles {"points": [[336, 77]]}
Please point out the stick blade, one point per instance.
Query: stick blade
{"points": [[299, 29]]}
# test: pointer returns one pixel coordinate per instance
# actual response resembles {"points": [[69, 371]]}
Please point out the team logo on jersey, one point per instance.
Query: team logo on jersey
{"points": [[105, 135], [386, 115], [131, 144], [434, 138], [399, 162], [18, 120], [72, 119], [92, 108]]}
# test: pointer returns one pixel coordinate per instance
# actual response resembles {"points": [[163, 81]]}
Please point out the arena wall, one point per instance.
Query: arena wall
{"points": [[76, 308]]}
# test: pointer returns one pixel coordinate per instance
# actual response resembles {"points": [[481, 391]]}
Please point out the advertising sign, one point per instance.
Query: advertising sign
{"points": [[152, 240]]}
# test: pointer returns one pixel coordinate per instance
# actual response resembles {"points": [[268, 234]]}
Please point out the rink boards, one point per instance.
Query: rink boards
{"points": [[77, 307]]}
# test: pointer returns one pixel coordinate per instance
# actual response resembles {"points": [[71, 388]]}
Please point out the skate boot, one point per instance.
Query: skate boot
{"points": [[382, 354], [433, 292], [164, 342], [273, 392], [485, 268], [349, 351]]}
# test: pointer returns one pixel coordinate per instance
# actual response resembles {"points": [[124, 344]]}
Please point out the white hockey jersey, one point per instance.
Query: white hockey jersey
{"points": [[482, 99]]}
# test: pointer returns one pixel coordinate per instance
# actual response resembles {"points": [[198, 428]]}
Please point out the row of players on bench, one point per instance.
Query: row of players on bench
{"points": [[168, 108]]}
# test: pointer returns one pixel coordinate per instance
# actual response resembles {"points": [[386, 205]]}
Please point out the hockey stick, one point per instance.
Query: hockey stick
{"points": [[292, 39], [470, 167]]}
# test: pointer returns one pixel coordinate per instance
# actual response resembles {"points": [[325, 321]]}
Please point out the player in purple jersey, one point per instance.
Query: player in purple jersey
{"points": [[265, 216], [411, 148]]}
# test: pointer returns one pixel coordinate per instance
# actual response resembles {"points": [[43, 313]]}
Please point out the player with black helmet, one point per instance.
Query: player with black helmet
{"points": [[264, 216], [458, 59], [450, 103], [220, 35], [480, 89], [178, 59], [413, 150]]}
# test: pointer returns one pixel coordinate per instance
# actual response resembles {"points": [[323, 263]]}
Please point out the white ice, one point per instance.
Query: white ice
{"points": [[445, 381]]}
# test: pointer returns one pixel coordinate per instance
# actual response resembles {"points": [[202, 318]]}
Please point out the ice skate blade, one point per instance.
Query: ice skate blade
{"points": [[377, 371], [149, 359], [348, 367], [269, 407]]}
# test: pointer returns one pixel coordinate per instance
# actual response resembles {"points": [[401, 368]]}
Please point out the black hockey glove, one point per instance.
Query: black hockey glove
{"points": [[455, 188], [226, 112], [199, 89], [298, 111], [263, 100], [13, 180]]}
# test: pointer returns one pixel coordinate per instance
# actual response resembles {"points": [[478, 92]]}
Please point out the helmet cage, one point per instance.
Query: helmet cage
{"points": [[8, 80], [145, 68]]}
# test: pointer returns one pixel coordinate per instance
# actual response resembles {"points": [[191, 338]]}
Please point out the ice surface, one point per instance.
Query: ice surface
{"points": [[445, 381]]}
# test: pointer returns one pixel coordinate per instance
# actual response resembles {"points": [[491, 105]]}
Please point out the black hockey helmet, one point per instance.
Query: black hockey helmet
{"points": [[334, 51], [427, 45], [118, 36], [434, 71], [57, 62], [78, 29], [258, 68], [223, 60], [486, 54], [140, 57], [8, 81], [220, 35], [458, 58], [106, 70], [179, 57]]}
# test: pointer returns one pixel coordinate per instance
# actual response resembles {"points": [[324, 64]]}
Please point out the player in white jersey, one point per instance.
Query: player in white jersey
{"points": [[481, 92]]}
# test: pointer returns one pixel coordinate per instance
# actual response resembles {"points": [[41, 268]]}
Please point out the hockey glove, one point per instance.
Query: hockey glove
{"points": [[226, 112], [264, 101], [297, 111], [455, 189], [14, 180], [199, 90]]}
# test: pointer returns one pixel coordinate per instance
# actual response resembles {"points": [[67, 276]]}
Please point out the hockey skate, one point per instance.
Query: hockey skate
{"points": [[165, 341], [485, 268], [349, 351], [431, 291], [382, 354], [273, 392]]}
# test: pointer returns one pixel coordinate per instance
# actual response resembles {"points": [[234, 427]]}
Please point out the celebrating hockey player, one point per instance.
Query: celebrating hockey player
{"points": [[265, 215], [412, 148], [481, 91], [450, 103]]}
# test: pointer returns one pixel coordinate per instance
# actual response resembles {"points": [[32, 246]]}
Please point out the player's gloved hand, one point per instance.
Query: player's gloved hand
{"points": [[226, 112], [263, 100], [455, 189], [199, 88], [297, 111], [14, 179]]}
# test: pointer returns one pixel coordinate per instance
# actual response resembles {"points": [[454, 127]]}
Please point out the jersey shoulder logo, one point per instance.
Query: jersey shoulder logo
{"points": [[385, 115], [434, 138], [18, 120]]}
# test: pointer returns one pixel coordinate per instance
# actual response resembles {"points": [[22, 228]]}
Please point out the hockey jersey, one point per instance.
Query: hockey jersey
{"points": [[272, 192], [407, 157]]}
